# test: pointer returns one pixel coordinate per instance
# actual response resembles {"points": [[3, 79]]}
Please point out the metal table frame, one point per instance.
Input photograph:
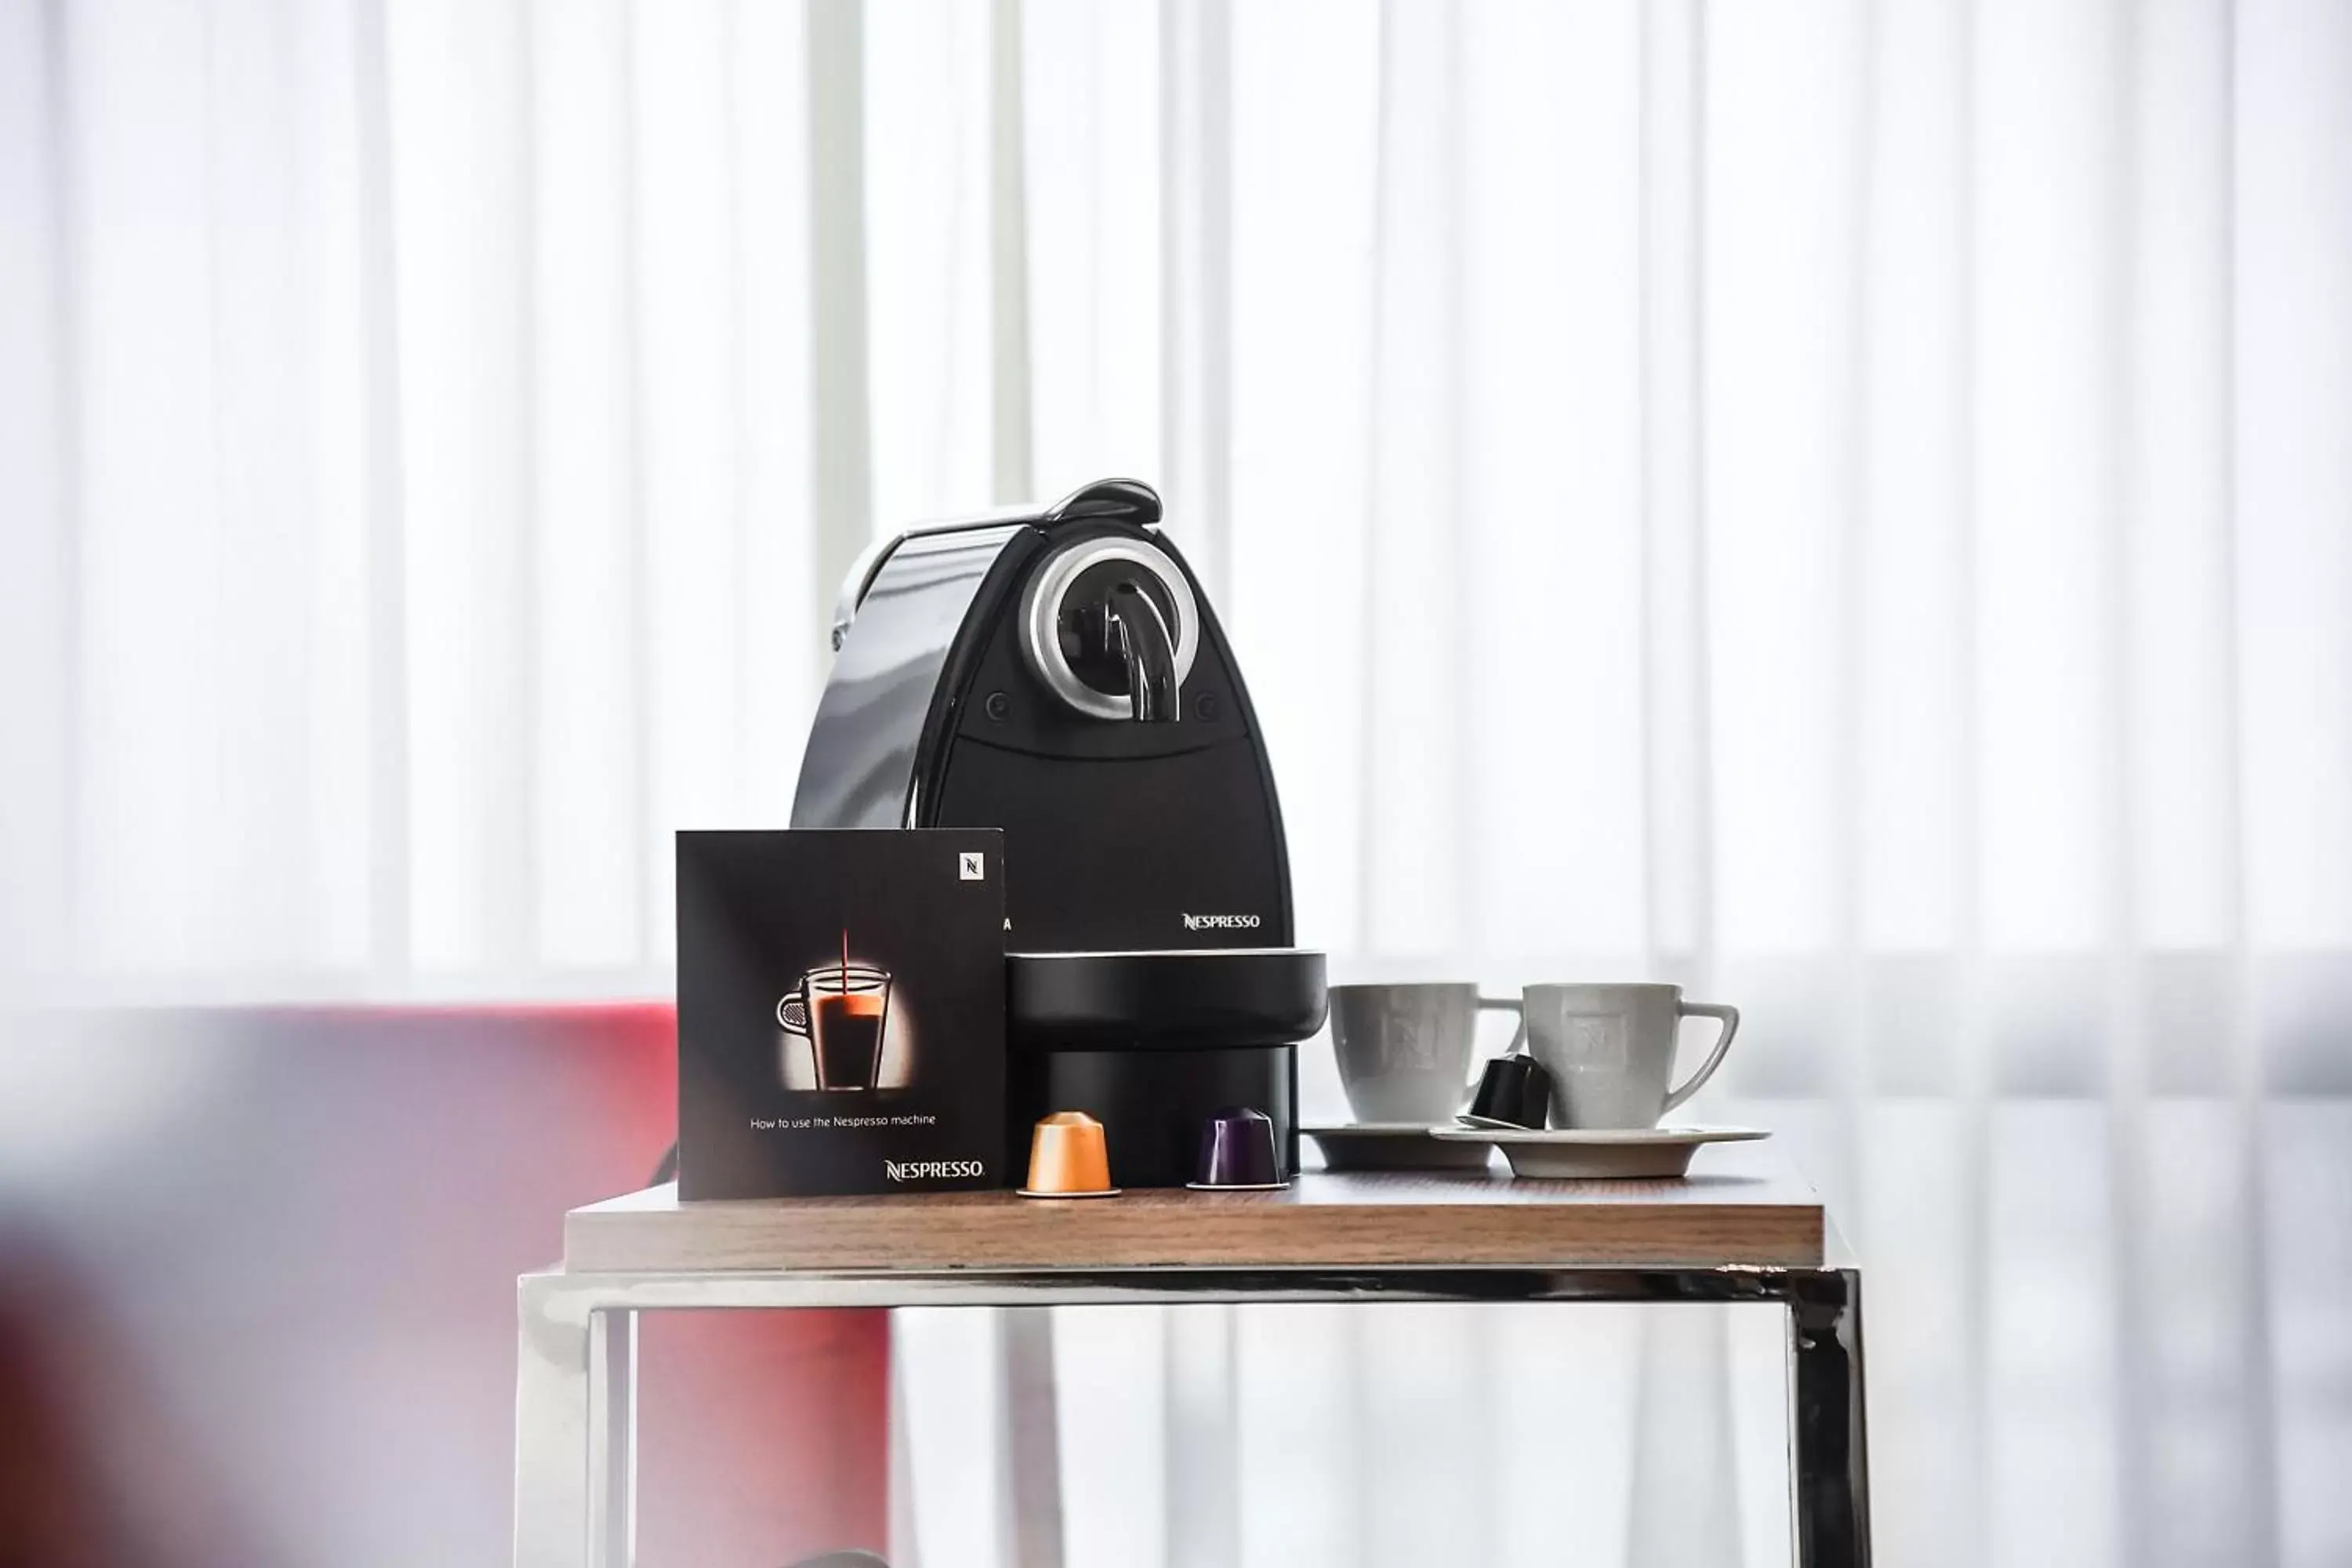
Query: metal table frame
{"points": [[575, 1419]]}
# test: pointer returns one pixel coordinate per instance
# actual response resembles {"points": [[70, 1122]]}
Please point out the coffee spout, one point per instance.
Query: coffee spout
{"points": [[1139, 634]]}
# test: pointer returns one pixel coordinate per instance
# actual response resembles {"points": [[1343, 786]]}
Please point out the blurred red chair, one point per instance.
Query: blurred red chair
{"points": [[310, 1262]]}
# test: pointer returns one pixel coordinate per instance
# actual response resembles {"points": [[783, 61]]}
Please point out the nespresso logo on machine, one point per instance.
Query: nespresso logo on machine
{"points": [[932, 1170], [1221, 922]]}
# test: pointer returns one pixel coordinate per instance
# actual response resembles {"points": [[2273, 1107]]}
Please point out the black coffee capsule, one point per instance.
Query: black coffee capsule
{"points": [[1515, 1089]]}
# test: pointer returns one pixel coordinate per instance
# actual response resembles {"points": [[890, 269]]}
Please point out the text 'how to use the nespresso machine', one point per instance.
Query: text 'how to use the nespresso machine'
{"points": [[1058, 674]]}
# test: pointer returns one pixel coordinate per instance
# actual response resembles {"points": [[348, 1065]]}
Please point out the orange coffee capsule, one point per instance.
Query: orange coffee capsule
{"points": [[1068, 1157]]}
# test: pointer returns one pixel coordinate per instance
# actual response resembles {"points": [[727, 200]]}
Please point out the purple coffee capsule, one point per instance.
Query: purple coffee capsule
{"points": [[1238, 1151]]}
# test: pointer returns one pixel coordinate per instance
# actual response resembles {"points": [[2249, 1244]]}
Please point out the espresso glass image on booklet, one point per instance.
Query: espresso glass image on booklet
{"points": [[844, 1015], [840, 1011]]}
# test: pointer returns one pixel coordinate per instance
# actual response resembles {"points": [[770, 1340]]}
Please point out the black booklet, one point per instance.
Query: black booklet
{"points": [[840, 1012]]}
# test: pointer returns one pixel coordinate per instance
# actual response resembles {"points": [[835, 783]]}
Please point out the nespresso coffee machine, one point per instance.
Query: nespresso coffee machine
{"points": [[1058, 674]]}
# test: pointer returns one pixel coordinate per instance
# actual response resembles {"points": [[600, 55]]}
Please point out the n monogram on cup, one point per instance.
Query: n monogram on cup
{"points": [[1596, 1042], [1415, 1045]]}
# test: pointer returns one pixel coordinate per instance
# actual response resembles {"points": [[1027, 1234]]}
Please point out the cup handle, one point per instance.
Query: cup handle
{"points": [[791, 1016], [1519, 1038], [1730, 1018]]}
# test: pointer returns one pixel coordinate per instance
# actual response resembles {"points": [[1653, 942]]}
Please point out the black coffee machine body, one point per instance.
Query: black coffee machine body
{"points": [[1057, 673]]}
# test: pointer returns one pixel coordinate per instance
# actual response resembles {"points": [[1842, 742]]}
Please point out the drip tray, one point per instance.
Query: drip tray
{"points": [[1189, 999]]}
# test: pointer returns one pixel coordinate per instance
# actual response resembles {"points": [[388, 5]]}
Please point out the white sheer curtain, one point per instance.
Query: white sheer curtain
{"points": [[1847, 505]]}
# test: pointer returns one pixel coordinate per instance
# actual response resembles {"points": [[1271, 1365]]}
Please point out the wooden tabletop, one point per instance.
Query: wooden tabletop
{"points": [[1742, 1203]]}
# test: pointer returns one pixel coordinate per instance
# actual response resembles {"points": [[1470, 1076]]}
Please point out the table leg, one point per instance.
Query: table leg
{"points": [[575, 1430], [551, 1419], [1830, 1470], [612, 1438]]}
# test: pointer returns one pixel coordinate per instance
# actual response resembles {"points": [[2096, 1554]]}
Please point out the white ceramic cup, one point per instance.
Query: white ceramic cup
{"points": [[1610, 1050], [1404, 1050]]}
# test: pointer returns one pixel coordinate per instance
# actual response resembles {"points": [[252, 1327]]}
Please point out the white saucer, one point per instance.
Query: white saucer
{"points": [[1392, 1146], [1598, 1151], [1105, 1193]]}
